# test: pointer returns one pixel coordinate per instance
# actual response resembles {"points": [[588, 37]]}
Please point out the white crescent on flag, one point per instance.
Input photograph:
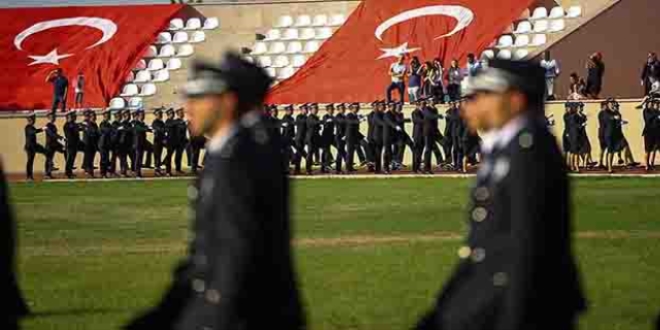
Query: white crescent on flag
{"points": [[463, 16]]}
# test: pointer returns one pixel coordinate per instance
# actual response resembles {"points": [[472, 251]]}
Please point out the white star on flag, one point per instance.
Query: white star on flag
{"points": [[398, 51], [52, 58]]}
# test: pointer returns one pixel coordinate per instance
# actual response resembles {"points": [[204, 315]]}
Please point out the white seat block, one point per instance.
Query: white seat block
{"points": [[174, 64], [152, 51], [164, 38], [311, 47], [180, 37], [284, 21], [290, 34], [294, 47], [505, 41], [211, 23], [320, 20], [148, 90], [271, 72], [323, 33], [129, 77], [167, 51], [142, 77], [504, 54], [265, 61], [557, 25], [540, 13], [260, 48], [135, 103], [539, 40], [198, 36], [488, 53], [524, 15], [185, 50], [141, 65], [522, 41], [281, 61], [298, 61], [337, 19], [524, 27], [307, 34], [541, 26], [303, 20], [277, 48], [193, 24], [129, 90], [521, 54], [156, 64], [574, 11], [117, 103], [285, 73], [557, 12], [273, 34], [176, 24], [161, 76]]}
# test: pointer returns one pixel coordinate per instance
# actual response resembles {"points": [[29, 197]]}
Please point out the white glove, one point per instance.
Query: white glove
{"points": [[285, 125], [398, 128]]}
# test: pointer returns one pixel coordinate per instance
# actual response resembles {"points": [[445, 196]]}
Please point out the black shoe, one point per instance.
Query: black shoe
{"points": [[633, 164], [620, 162]]}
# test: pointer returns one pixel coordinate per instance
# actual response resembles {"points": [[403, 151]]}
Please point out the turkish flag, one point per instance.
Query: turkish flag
{"points": [[104, 43], [353, 65]]}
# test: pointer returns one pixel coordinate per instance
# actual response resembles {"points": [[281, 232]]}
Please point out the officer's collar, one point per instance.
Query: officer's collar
{"points": [[499, 138], [218, 141]]}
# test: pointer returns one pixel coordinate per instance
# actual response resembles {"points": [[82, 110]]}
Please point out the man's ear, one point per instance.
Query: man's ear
{"points": [[518, 102]]}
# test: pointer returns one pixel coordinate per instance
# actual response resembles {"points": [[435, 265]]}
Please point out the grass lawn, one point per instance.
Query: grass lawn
{"points": [[94, 254]]}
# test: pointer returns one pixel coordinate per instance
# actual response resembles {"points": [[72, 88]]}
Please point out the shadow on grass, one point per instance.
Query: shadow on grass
{"points": [[75, 312]]}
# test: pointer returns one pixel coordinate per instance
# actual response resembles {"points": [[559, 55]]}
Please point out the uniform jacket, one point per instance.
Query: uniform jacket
{"points": [[160, 133], [301, 128], [288, 128], [389, 127], [418, 125], [72, 134], [172, 131], [313, 129], [31, 137], [352, 128], [340, 125], [52, 137], [106, 131]]}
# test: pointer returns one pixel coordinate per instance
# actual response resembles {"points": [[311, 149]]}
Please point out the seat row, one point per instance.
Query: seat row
{"points": [[281, 73], [299, 34], [522, 40], [555, 12], [148, 89], [540, 26], [280, 61], [180, 37], [184, 50], [294, 47], [158, 64], [506, 54], [307, 20], [119, 103], [144, 76], [194, 23]]}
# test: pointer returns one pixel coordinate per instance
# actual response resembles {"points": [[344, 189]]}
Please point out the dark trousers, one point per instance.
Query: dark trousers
{"points": [[105, 161], [363, 151], [130, 153], [399, 86], [388, 147], [195, 151], [88, 158], [430, 147], [438, 93], [350, 154], [400, 147], [50, 155], [137, 159], [326, 153], [300, 153], [418, 149], [288, 153], [71, 152], [31, 153], [341, 153], [113, 159], [124, 153], [377, 150], [447, 145], [57, 101], [312, 149], [457, 152], [454, 91], [149, 152], [158, 155], [177, 152]]}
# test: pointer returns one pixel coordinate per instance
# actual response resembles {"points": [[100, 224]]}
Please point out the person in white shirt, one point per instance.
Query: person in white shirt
{"points": [[79, 89], [397, 73], [551, 68]]}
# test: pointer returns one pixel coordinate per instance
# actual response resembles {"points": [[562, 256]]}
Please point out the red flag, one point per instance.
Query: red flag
{"points": [[104, 43], [353, 65]]}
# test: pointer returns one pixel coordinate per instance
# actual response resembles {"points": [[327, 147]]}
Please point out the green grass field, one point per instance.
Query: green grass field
{"points": [[371, 254]]}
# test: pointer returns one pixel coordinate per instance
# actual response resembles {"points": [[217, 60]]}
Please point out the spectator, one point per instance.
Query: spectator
{"points": [[454, 79], [595, 72], [650, 72], [397, 72], [473, 66], [438, 89], [432, 86], [577, 87], [415, 80], [79, 90], [60, 88], [551, 72]]}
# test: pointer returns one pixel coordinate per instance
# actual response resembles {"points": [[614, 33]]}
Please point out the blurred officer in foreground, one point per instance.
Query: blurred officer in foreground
{"points": [[239, 272], [516, 270]]}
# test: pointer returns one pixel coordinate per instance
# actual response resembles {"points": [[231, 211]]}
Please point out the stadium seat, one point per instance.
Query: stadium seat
{"points": [[557, 12], [155, 65], [152, 51], [504, 54], [540, 13], [524, 27], [311, 47], [277, 48], [488, 53], [185, 50], [174, 64], [198, 36], [320, 20], [557, 25], [290, 34], [167, 51], [260, 48], [141, 65], [521, 41], [285, 73], [180, 37], [307, 34], [539, 40], [176, 24], [541, 26], [271, 72], [211, 23], [129, 90], [273, 34], [505, 41], [298, 61], [294, 47], [148, 90], [135, 103], [129, 77], [574, 11], [524, 14], [323, 33], [284, 21], [281, 61], [117, 103], [303, 20], [265, 61], [509, 29], [521, 54], [161, 75], [337, 20], [193, 24], [164, 38], [142, 76], [249, 59]]}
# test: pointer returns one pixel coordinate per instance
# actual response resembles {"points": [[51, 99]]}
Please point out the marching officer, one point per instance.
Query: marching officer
{"points": [[73, 143], [90, 142], [239, 273], [125, 140], [32, 147], [182, 134], [159, 137], [288, 135], [340, 137], [452, 119], [301, 134], [516, 264], [431, 135], [651, 115], [313, 137], [418, 136], [390, 131], [403, 139], [106, 132], [116, 147], [171, 140], [353, 136], [140, 130], [53, 144], [197, 144], [327, 137], [375, 121]]}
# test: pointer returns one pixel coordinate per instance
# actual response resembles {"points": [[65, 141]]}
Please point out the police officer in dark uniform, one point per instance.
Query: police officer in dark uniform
{"points": [[452, 119], [353, 136], [602, 124], [53, 144], [31, 146], [171, 140], [375, 121], [516, 270], [197, 144], [90, 142], [239, 273], [430, 131], [651, 117], [125, 142], [159, 137], [390, 132], [73, 143], [301, 135], [340, 137], [288, 135], [106, 131], [403, 139], [418, 136], [327, 137], [182, 135], [140, 130], [312, 137]]}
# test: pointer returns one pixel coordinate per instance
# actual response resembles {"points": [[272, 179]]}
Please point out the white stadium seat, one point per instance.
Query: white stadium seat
{"points": [[290, 34], [557, 12], [129, 90], [141, 65], [285, 73], [488, 53], [337, 20], [509, 29], [156, 64], [307, 34], [260, 48], [148, 90], [265, 61], [273, 34], [504, 54], [281, 61], [152, 51], [284, 21], [117, 103], [135, 103], [298, 61], [539, 40], [271, 72], [193, 24], [557, 25], [176, 24], [294, 47], [521, 54], [277, 48], [505, 41], [521, 41], [180, 37], [303, 20], [311, 47], [541, 26], [174, 64], [161, 75], [142, 76], [167, 51], [211, 23], [198, 36], [540, 13], [574, 11], [185, 50], [524, 27], [164, 38], [323, 33], [129, 77], [320, 20]]}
